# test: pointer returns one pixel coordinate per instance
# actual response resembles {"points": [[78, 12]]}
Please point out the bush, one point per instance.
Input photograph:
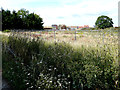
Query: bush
{"points": [[6, 31]]}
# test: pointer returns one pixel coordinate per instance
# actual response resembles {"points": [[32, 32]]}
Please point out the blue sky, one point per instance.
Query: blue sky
{"points": [[69, 12]]}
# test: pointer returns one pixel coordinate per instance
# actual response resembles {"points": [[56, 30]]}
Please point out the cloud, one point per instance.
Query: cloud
{"points": [[69, 12], [76, 15], [60, 17]]}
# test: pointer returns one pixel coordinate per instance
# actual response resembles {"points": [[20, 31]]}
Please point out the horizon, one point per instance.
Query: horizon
{"points": [[70, 13]]}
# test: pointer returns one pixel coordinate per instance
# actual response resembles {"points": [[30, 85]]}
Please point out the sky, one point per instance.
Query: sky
{"points": [[68, 12]]}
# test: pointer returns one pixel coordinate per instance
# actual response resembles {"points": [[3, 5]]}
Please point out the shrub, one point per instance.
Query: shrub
{"points": [[6, 31]]}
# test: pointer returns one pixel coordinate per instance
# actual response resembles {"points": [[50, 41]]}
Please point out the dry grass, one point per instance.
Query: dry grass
{"points": [[82, 38]]}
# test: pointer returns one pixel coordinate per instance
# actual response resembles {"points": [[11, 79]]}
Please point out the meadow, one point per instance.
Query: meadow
{"points": [[61, 60]]}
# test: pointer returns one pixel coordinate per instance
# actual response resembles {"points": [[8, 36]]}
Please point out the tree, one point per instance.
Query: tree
{"points": [[103, 22], [34, 21], [30, 21], [6, 19], [23, 13], [62, 26], [21, 20], [16, 21]]}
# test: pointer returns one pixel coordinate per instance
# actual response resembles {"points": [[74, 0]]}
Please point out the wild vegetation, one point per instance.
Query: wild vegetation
{"points": [[37, 60]]}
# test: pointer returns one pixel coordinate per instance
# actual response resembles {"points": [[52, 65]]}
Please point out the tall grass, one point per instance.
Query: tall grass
{"points": [[39, 64]]}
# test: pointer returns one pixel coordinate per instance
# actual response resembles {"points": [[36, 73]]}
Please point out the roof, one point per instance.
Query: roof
{"points": [[47, 27]]}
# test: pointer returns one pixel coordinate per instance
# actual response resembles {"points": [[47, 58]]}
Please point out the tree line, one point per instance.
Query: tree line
{"points": [[21, 20]]}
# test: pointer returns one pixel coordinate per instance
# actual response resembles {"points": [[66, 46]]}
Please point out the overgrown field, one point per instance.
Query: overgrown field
{"points": [[46, 60]]}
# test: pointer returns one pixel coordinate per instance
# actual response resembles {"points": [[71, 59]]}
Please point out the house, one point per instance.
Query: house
{"points": [[77, 27], [54, 26], [62, 26], [86, 26], [47, 27], [72, 27]]}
